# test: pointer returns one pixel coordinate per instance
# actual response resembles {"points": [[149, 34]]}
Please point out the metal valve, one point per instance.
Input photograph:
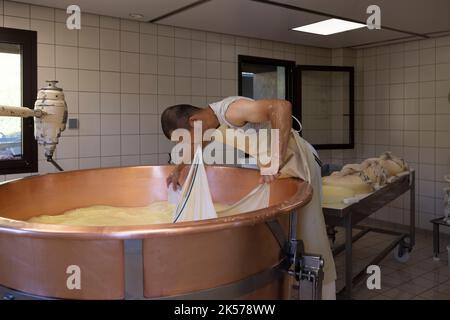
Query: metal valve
{"points": [[306, 267]]}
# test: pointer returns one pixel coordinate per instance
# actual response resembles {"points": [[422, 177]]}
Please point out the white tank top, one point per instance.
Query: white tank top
{"points": [[221, 107]]}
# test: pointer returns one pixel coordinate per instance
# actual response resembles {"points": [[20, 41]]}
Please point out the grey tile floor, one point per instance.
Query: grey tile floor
{"points": [[420, 277]]}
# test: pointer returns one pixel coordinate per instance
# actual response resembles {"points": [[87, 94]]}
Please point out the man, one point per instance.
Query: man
{"points": [[235, 112], [244, 113]]}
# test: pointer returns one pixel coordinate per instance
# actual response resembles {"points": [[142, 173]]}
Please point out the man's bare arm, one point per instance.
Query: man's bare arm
{"points": [[278, 112]]}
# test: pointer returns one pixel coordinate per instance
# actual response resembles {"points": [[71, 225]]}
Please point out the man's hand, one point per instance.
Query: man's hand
{"points": [[268, 179], [174, 177]]}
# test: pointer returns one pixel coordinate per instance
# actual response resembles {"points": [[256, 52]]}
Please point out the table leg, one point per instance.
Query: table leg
{"points": [[436, 240], [412, 211], [348, 257]]}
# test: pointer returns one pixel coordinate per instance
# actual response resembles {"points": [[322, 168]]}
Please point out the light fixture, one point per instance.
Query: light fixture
{"points": [[330, 26], [136, 16]]}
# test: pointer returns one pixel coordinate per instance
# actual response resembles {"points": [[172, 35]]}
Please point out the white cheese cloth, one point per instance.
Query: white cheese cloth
{"points": [[195, 201]]}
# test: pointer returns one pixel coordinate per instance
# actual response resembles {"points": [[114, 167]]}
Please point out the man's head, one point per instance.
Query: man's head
{"points": [[177, 117], [183, 116]]}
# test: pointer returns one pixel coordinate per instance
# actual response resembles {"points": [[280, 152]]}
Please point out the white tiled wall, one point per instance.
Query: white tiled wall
{"points": [[402, 106], [119, 75]]}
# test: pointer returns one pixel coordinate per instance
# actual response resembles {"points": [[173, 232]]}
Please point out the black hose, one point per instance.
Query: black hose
{"points": [[53, 162]]}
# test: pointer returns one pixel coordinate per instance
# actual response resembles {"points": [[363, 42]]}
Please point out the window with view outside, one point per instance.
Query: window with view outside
{"points": [[10, 95]]}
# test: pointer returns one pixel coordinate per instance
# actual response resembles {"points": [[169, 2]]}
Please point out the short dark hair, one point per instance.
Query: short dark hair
{"points": [[177, 117]]}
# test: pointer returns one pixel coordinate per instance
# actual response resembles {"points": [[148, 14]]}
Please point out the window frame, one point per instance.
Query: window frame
{"points": [[28, 41], [351, 93], [287, 64]]}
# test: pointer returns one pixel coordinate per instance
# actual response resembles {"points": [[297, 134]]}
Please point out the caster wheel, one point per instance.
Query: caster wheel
{"points": [[401, 252], [8, 296]]}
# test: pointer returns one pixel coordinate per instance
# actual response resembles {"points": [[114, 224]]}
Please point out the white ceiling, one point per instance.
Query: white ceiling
{"points": [[118, 8], [261, 20]]}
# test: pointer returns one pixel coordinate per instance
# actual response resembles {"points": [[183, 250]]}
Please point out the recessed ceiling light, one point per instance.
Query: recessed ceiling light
{"points": [[136, 15], [330, 26]]}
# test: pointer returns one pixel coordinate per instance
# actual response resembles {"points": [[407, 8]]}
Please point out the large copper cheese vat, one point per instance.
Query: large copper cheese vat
{"points": [[191, 259]]}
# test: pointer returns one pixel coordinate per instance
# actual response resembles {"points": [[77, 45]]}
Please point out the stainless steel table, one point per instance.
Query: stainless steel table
{"points": [[349, 216], [436, 223]]}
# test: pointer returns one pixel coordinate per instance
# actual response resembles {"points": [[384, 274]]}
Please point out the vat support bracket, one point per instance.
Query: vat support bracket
{"points": [[302, 266]]}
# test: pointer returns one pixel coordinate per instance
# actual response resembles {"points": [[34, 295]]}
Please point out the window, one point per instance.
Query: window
{"points": [[18, 55], [263, 78], [325, 96], [10, 95], [322, 96]]}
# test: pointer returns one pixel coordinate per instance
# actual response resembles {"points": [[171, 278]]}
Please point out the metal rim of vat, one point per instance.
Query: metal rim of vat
{"points": [[301, 197]]}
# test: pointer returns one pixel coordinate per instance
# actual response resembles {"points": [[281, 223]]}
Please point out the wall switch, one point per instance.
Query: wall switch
{"points": [[73, 123]]}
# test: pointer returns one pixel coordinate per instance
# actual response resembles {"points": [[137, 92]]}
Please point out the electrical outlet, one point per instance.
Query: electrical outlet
{"points": [[73, 123]]}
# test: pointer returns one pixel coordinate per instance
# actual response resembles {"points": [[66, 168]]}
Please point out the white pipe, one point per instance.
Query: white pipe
{"points": [[8, 111]]}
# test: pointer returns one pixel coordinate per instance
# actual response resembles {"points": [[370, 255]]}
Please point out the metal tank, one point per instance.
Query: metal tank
{"points": [[233, 257]]}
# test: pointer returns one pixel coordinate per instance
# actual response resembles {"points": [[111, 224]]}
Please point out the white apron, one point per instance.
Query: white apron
{"points": [[311, 228]]}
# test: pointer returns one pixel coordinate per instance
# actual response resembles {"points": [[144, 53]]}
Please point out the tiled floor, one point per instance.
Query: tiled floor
{"points": [[419, 278]]}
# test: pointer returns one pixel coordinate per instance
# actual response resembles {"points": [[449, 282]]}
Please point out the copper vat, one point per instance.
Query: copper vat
{"points": [[190, 260]]}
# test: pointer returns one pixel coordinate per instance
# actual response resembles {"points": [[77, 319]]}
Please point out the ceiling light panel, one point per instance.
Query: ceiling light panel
{"points": [[330, 26]]}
